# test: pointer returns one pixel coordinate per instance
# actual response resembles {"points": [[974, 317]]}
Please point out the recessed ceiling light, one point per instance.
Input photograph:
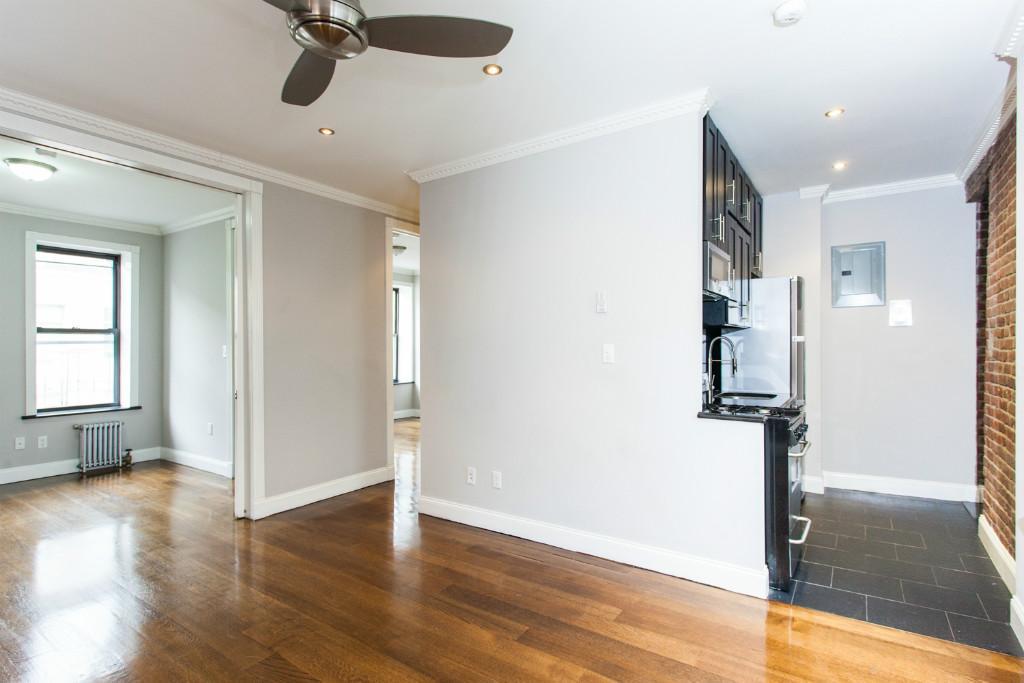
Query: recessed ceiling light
{"points": [[789, 13], [839, 166], [327, 131], [493, 69], [27, 169], [835, 113]]}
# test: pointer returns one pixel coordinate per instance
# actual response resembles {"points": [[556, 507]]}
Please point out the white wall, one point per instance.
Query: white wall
{"points": [[605, 458], [143, 426], [900, 402], [325, 321], [196, 374], [792, 246]]}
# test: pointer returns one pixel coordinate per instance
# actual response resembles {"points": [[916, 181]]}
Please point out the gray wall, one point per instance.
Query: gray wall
{"points": [[196, 374], [792, 246], [514, 255], [325, 320], [900, 401], [143, 427]]}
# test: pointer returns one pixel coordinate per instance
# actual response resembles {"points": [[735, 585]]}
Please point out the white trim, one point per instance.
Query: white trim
{"points": [[998, 117], [78, 218], [814, 484], [703, 570], [814, 192], [901, 187], [697, 101], [1017, 618], [26, 105], [199, 221], [145, 454], [918, 488], [131, 293], [313, 494], [254, 347], [411, 412], [198, 462], [1001, 557], [1010, 43], [11, 475], [395, 225]]}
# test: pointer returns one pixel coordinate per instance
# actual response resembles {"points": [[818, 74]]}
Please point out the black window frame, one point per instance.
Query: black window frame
{"points": [[394, 337], [115, 331]]}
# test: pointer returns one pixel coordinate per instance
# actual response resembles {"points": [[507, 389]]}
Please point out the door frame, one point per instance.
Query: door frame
{"points": [[392, 225], [247, 338]]}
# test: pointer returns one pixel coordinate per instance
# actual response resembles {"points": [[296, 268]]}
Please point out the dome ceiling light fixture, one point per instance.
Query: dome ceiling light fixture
{"points": [[30, 170]]}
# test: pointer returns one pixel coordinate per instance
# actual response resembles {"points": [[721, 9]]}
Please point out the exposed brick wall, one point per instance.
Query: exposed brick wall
{"points": [[993, 187]]}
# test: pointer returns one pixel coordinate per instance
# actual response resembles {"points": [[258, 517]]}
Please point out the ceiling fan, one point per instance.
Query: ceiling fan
{"points": [[330, 30]]}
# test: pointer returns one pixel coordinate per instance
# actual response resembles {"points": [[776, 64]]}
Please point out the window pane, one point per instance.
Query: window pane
{"points": [[74, 370], [74, 291]]}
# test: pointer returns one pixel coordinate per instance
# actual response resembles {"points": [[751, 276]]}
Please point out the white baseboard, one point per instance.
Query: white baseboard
{"points": [[224, 468], [1017, 618], [703, 570], [412, 412], [814, 484], [1001, 557], [918, 488], [313, 494], [11, 475], [146, 454]]}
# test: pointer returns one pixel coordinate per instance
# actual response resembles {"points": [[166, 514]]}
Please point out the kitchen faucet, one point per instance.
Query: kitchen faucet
{"points": [[734, 364]]}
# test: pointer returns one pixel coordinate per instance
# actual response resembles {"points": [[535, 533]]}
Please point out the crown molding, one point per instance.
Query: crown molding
{"points": [[199, 221], [695, 102], [395, 225], [1001, 112], [814, 192], [27, 105], [1011, 42], [79, 218], [901, 187]]}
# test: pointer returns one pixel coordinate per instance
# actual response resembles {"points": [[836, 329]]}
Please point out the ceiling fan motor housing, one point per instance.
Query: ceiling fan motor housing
{"points": [[331, 28]]}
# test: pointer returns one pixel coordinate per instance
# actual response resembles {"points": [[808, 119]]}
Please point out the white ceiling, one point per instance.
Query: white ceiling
{"points": [[918, 78], [409, 260], [86, 187]]}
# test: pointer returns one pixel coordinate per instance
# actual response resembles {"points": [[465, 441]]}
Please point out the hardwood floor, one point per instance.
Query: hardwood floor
{"points": [[145, 576]]}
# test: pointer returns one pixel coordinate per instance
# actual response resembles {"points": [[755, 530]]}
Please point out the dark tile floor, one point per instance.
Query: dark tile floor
{"points": [[909, 563]]}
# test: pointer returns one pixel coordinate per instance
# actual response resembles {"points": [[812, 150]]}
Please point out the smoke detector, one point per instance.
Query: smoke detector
{"points": [[789, 13]]}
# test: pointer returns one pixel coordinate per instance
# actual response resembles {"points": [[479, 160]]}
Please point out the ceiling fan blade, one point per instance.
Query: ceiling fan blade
{"points": [[308, 80], [438, 36], [289, 5]]}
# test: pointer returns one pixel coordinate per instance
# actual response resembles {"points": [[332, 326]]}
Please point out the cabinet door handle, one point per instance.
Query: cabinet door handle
{"points": [[746, 211], [757, 262], [720, 233], [731, 186], [807, 531]]}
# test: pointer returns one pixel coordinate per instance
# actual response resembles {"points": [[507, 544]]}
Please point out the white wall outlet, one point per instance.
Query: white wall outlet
{"points": [[600, 302], [471, 476], [209, 428], [496, 479], [224, 351], [19, 443], [608, 353], [42, 441]]}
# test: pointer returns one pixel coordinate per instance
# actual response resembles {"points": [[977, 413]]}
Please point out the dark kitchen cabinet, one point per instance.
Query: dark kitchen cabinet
{"points": [[733, 211]]}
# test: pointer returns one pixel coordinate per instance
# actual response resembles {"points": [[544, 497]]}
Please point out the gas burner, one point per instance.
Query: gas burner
{"points": [[754, 410]]}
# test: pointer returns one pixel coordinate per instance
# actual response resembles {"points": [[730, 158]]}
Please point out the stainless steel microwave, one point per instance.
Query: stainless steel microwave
{"points": [[718, 272]]}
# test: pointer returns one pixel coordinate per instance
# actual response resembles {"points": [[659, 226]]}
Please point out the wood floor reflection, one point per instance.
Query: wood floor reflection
{"points": [[407, 457], [145, 577]]}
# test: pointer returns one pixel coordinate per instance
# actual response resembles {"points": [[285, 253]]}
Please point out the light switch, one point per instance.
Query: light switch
{"points": [[42, 442], [601, 303], [901, 313], [608, 353], [224, 351], [209, 428]]}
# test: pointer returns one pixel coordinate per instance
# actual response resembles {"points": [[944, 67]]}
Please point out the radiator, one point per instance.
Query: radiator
{"points": [[100, 446]]}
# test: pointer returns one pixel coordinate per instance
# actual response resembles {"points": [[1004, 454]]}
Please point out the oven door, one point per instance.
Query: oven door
{"points": [[799, 526], [718, 276]]}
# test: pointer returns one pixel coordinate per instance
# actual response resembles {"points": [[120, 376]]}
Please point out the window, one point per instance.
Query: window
{"points": [[78, 339], [81, 309], [394, 339]]}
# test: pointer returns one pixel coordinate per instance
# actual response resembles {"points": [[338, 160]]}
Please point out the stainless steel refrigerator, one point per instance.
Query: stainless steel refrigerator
{"points": [[771, 351]]}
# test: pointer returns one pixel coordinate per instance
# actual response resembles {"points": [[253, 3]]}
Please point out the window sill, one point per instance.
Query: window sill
{"points": [[88, 411]]}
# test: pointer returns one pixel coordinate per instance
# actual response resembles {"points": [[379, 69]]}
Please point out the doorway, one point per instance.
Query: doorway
{"points": [[403, 256]]}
